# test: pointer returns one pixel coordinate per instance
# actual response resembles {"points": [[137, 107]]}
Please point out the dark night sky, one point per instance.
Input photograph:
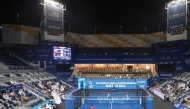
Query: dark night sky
{"points": [[83, 15]]}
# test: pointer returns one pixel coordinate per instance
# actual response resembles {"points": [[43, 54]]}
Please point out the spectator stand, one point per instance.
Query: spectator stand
{"points": [[175, 90], [34, 87], [38, 90], [15, 96], [45, 88], [61, 79], [35, 92]]}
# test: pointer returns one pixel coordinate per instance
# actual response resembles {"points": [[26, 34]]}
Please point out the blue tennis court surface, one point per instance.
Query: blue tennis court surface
{"points": [[100, 101]]}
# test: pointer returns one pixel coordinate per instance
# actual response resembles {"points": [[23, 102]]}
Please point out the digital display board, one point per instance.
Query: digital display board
{"points": [[61, 53], [53, 17], [53, 13], [177, 16], [117, 83], [81, 83]]}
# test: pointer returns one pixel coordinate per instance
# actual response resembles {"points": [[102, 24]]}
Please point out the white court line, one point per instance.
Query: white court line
{"points": [[111, 104]]}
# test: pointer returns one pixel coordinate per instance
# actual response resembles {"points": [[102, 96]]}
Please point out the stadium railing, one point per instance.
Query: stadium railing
{"points": [[41, 95], [12, 67], [4, 66]]}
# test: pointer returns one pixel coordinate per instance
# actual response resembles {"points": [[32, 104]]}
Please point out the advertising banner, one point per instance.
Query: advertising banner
{"points": [[178, 105], [179, 43], [46, 43], [169, 57], [81, 83], [53, 25], [171, 54], [44, 55], [186, 58], [177, 16], [53, 13], [40, 54], [159, 94], [36, 54], [62, 74], [75, 82], [187, 51], [142, 83], [165, 74], [114, 59], [169, 51], [180, 67], [117, 83]]}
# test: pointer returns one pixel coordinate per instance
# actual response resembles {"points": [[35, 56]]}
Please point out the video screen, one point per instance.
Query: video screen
{"points": [[166, 67], [63, 68], [61, 53]]}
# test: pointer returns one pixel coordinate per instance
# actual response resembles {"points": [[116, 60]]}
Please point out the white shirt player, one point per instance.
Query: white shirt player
{"points": [[127, 96], [109, 95], [56, 97]]}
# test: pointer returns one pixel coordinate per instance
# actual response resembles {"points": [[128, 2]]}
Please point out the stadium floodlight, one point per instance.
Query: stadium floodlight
{"points": [[179, 0], [174, 2], [53, 3]]}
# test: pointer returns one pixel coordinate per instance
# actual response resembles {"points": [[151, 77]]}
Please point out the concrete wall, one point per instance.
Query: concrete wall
{"points": [[20, 34], [116, 40]]}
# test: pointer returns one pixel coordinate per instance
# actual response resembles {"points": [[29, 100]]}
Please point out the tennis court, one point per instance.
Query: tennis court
{"points": [[115, 101], [137, 98]]}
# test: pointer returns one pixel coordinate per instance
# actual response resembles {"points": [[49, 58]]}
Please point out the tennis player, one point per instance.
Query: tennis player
{"points": [[109, 95], [127, 96], [92, 107]]}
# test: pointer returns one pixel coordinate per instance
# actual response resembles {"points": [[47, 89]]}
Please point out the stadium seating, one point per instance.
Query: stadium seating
{"points": [[176, 89], [12, 62], [17, 97], [30, 80], [37, 93]]}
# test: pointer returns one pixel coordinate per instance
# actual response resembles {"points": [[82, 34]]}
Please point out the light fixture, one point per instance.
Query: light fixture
{"points": [[175, 2], [147, 67], [53, 3]]}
